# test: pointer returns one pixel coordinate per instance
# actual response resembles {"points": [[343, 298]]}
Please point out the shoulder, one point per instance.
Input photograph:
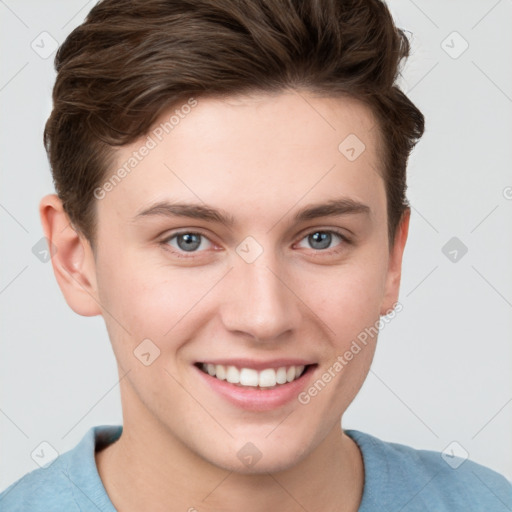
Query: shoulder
{"points": [[428, 480], [63, 484], [39, 489]]}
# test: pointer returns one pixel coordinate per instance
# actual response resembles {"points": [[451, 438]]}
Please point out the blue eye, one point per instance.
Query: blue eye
{"points": [[188, 241], [321, 240], [193, 242]]}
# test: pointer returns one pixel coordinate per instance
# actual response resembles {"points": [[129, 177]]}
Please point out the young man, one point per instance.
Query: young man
{"points": [[231, 184]]}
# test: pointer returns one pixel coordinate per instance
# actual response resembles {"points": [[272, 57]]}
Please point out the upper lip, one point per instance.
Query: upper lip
{"points": [[258, 364]]}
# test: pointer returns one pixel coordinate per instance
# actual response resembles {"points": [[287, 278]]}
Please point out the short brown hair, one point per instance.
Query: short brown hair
{"points": [[133, 59]]}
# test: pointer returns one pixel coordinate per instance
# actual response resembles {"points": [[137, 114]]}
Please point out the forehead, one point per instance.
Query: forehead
{"points": [[252, 153]]}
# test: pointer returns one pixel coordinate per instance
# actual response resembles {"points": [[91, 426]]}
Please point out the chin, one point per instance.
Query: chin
{"points": [[250, 460]]}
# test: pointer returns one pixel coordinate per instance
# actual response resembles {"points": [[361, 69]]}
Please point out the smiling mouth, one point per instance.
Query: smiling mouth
{"points": [[268, 378]]}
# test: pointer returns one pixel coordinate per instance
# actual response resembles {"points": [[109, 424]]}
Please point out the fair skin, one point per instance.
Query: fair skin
{"points": [[261, 160]]}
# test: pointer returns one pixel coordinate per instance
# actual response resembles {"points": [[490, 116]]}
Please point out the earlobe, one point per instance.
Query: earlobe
{"points": [[394, 273], [72, 258]]}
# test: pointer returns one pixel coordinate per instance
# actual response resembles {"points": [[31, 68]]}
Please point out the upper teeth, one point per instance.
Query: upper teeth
{"points": [[249, 377]]}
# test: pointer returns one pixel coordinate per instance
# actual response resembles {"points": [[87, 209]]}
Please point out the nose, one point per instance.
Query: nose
{"points": [[262, 303]]}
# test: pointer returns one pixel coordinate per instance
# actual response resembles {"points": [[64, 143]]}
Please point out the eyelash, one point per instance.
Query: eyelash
{"points": [[184, 254]]}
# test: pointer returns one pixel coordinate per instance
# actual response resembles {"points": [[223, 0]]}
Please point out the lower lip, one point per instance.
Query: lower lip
{"points": [[253, 399]]}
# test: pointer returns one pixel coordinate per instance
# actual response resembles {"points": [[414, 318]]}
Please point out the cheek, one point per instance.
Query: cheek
{"points": [[354, 312], [348, 299], [135, 304], [148, 300], [351, 310]]}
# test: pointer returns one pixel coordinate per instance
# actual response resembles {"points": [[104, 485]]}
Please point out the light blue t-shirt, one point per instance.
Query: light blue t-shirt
{"points": [[397, 478]]}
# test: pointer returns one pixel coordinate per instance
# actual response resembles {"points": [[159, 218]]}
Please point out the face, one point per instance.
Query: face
{"points": [[246, 244]]}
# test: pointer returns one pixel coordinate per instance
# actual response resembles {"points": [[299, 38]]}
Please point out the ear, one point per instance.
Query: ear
{"points": [[72, 258], [392, 286]]}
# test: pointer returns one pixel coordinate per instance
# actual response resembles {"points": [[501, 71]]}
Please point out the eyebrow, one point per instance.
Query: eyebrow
{"points": [[336, 207], [343, 206]]}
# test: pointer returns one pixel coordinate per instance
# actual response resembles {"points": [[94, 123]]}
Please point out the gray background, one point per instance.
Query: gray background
{"points": [[442, 371]]}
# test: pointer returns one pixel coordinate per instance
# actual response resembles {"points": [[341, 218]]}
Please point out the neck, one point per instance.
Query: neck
{"points": [[150, 469]]}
